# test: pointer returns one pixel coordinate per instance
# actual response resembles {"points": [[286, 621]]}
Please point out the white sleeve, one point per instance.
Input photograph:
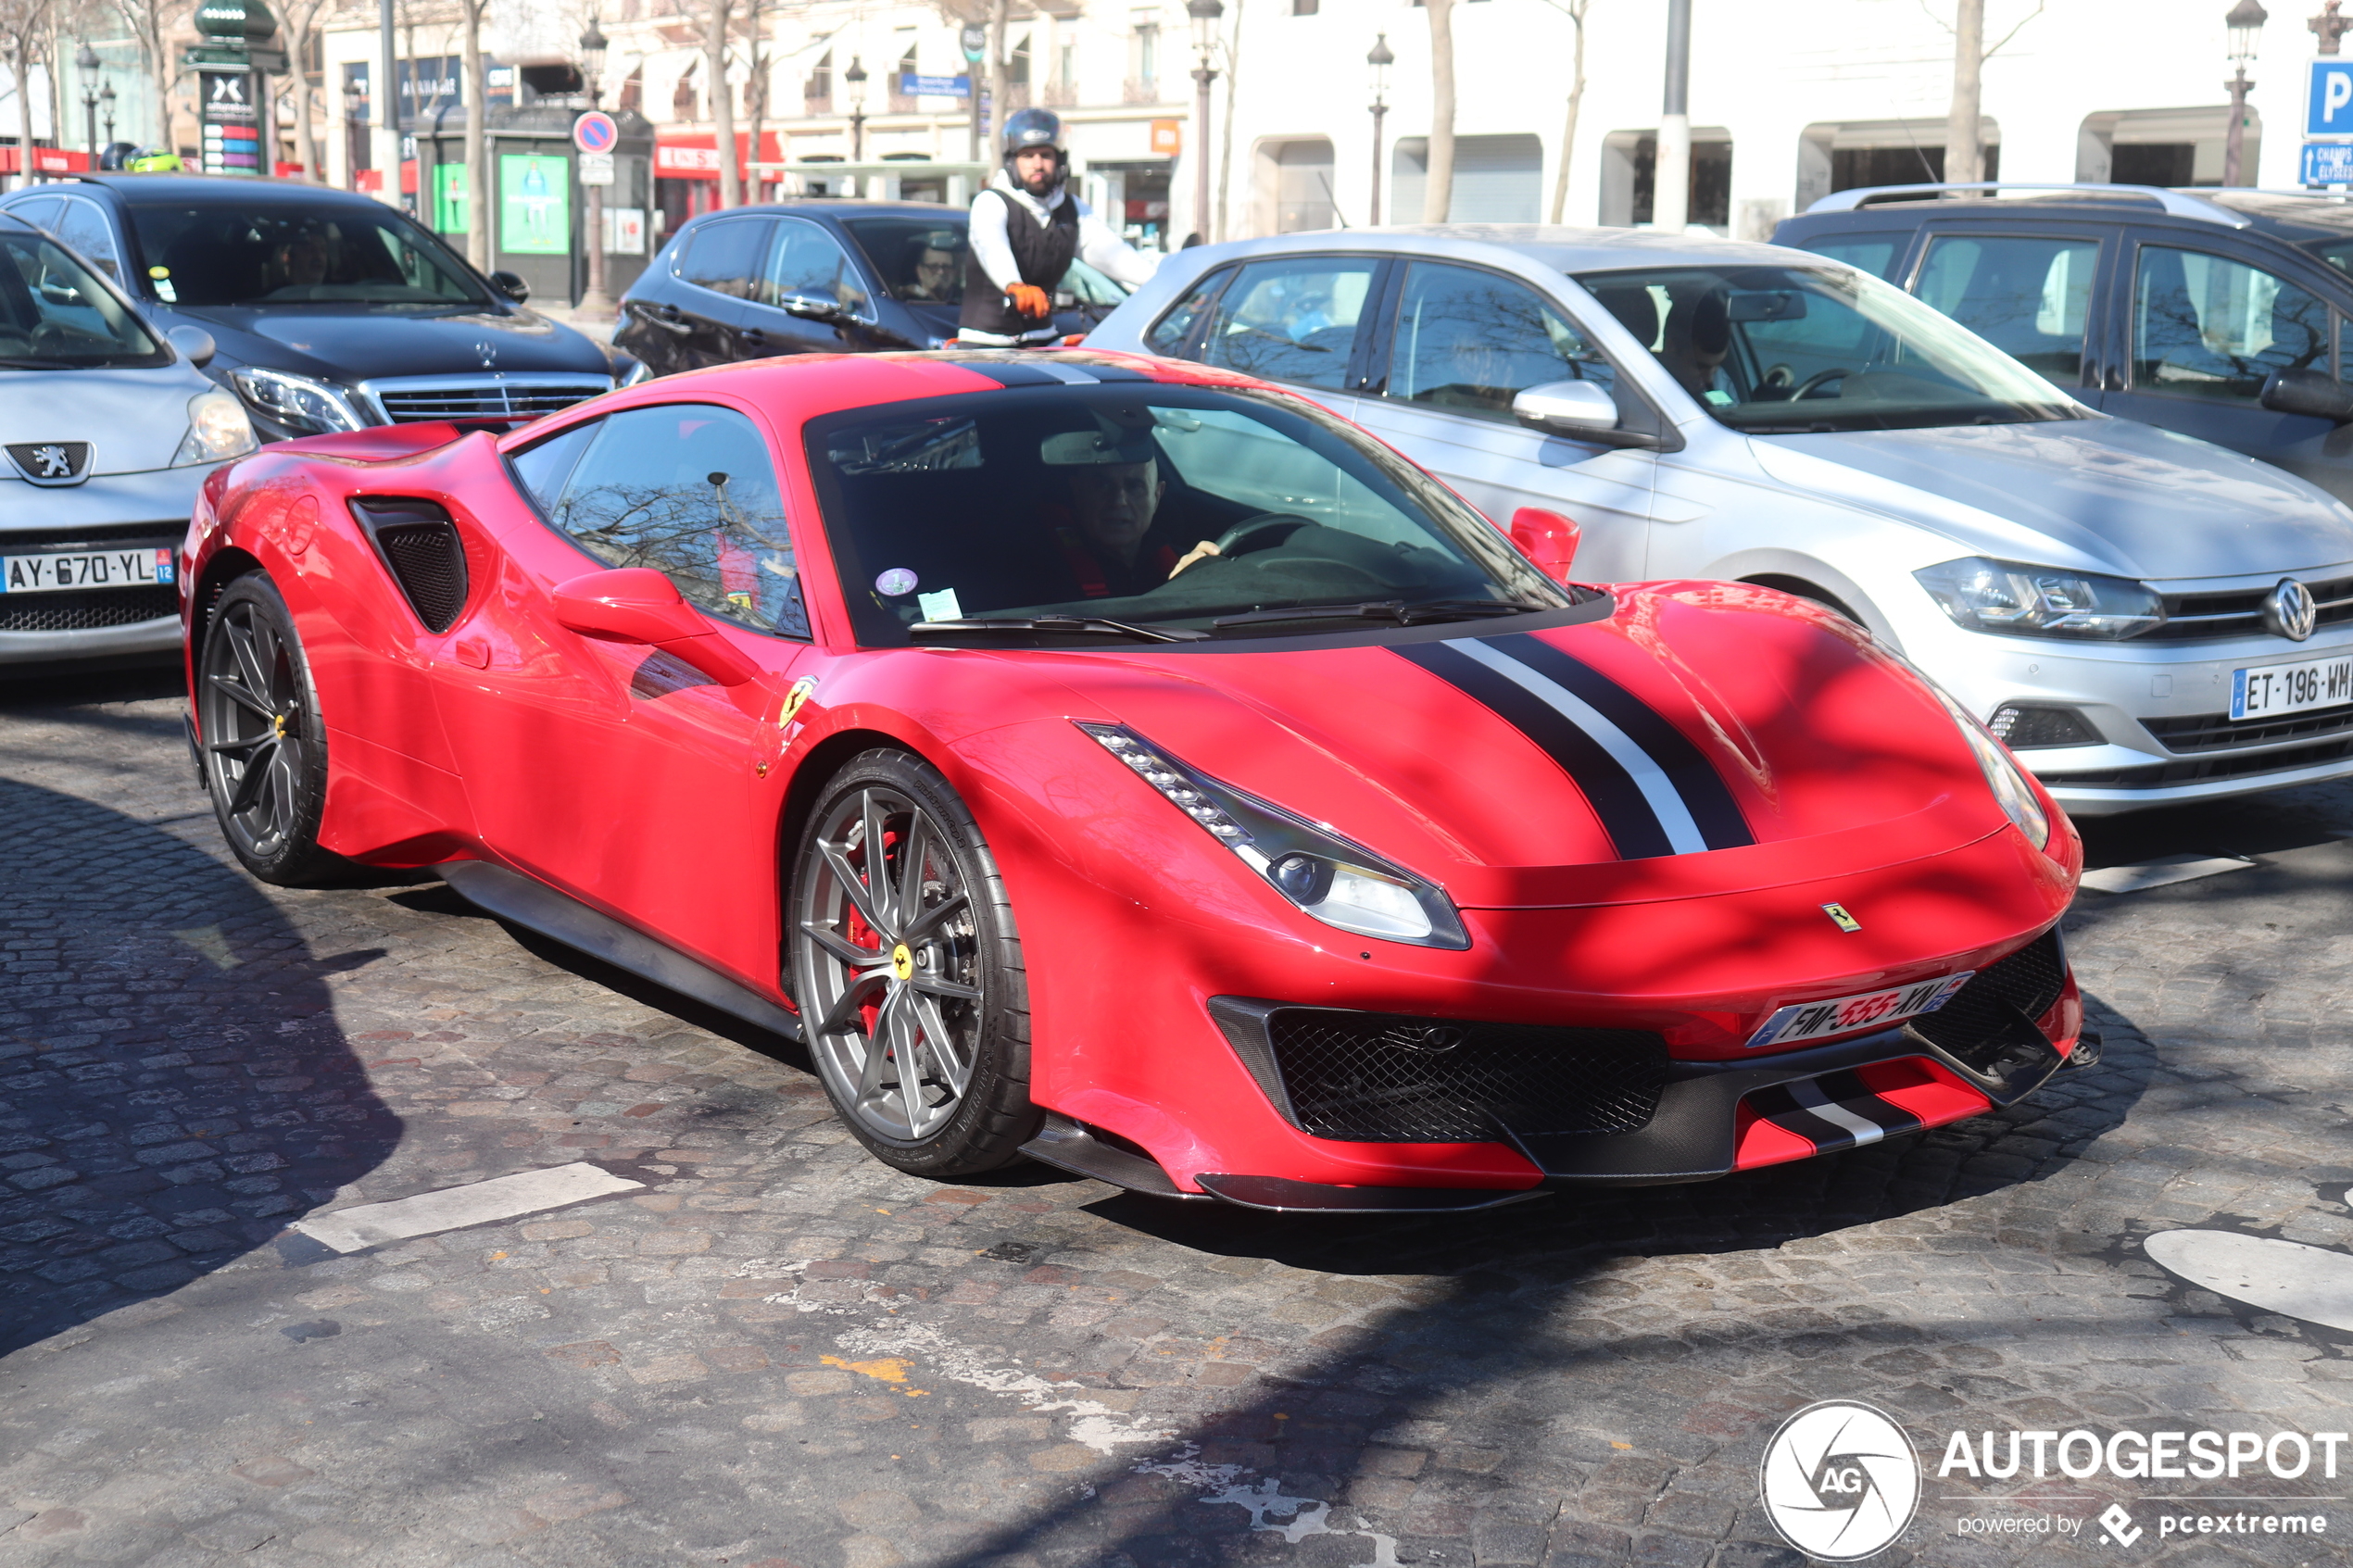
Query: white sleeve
{"points": [[1110, 255], [987, 237]]}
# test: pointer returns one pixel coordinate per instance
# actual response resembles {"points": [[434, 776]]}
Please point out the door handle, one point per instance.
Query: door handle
{"points": [[752, 335], [666, 318]]}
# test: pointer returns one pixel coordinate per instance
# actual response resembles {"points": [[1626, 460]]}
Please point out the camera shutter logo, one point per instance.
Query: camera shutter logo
{"points": [[1840, 1480]]}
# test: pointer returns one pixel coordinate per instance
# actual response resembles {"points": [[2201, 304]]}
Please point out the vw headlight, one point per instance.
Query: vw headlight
{"points": [[1330, 879], [2003, 775], [218, 430], [2041, 601], [297, 402]]}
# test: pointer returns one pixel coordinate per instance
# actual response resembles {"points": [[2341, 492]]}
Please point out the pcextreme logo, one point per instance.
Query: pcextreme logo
{"points": [[1840, 1481]]}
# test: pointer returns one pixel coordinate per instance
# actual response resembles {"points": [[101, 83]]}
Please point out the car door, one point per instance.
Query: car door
{"points": [[809, 298], [1459, 343], [81, 224], [1289, 318], [2206, 324], [614, 772], [718, 276], [2035, 296]]}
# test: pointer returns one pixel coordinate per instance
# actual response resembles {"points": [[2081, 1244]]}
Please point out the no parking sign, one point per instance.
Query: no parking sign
{"points": [[594, 132]]}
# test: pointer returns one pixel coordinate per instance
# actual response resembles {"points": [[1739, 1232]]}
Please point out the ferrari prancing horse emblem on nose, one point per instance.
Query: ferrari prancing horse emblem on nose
{"points": [[1840, 918]]}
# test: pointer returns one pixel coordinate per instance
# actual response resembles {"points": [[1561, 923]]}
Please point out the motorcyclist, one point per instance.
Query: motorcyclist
{"points": [[1026, 225], [152, 160]]}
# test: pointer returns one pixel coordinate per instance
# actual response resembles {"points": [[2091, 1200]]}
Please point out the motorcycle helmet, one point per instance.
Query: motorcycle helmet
{"points": [[1025, 129], [117, 153]]}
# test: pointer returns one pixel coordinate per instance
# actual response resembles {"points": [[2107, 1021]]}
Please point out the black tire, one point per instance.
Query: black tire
{"points": [[265, 746], [926, 971]]}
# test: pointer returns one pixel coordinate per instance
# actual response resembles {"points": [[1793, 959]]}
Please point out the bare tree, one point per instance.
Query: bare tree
{"points": [[150, 22], [24, 29], [722, 105], [1575, 11], [477, 140], [999, 13], [1964, 123], [302, 18], [1232, 50], [1437, 191]]}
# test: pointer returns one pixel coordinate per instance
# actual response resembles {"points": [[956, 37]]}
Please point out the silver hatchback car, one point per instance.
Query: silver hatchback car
{"points": [[107, 432], [2142, 617]]}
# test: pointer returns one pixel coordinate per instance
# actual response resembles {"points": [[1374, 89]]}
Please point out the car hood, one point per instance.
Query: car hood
{"points": [[1794, 743], [359, 344], [135, 419], [2102, 495]]}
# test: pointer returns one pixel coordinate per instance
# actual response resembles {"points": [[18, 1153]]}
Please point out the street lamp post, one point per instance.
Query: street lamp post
{"points": [[1380, 59], [2328, 27], [856, 76], [1206, 14], [593, 299], [2245, 25], [105, 105], [86, 61]]}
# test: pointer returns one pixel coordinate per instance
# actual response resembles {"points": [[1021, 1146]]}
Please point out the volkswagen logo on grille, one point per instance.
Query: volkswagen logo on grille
{"points": [[51, 462], [1428, 1039], [2289, 611]]}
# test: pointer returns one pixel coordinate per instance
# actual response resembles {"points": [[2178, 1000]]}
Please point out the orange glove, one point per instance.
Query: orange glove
{"points": [[1031, 301]]}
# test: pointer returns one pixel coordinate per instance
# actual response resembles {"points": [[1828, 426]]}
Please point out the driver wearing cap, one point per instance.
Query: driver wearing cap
{"points": [[1111, 490]]}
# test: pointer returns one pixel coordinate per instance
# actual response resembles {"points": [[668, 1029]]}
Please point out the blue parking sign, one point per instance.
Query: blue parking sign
{"points": [[2328, 107], [2328, 163]]}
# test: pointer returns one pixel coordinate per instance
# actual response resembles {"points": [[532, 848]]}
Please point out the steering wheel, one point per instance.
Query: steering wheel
{"points": [[1776, 380], [1819, 377], [1238, 540]]}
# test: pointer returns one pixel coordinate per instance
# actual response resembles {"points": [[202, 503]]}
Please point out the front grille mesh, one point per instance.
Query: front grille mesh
{"points": [[504, 401], [1975, 1025], [2220, 764], [91, 611], [2215, 732], [1389, 1078]]}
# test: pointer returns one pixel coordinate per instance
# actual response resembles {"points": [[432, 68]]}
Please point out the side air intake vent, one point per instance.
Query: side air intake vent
{"points": [[421, 549]]}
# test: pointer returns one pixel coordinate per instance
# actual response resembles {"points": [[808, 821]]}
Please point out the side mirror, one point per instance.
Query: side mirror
{"points": [[193, 343], [511, 285], [813, 307], [640, 605], [1567, 407], [2312, 393], [1546, 538]]}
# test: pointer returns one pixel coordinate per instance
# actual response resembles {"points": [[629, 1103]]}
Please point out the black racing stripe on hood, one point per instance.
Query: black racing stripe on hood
{"points": [[1007, 374], [1634, 829], [1705, 795]]}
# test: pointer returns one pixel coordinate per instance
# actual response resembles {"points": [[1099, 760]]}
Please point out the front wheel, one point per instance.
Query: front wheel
{"points": [[908, 972], [265, 746]]}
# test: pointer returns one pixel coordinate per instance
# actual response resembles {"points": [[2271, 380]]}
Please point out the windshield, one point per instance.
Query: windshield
{"points": [[217, 253], [54, 315], [1783, 349], [1167, 506], [919, 258], [2336, 253]]}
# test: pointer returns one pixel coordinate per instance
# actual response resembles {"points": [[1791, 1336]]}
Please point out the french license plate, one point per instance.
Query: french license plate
{"points": [[1810, 1021], [2290, 688], [66, 571]]}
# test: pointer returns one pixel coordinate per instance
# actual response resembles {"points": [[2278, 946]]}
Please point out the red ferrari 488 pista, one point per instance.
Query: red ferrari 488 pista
{"points": [[1138, 768]]}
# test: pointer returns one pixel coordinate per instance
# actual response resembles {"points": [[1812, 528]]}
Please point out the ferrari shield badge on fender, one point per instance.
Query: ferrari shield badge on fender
{"points": [[1840, 918], [794, 699]]}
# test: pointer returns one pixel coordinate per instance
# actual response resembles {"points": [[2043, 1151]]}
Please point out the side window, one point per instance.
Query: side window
{"points": [[1874, 254], [1168, 333], [807, 260], [1468, 342], [689, 490], [1291, 320], [2028, 297], [543, 468], [82, 226], [724, 256], [2207, 327]]}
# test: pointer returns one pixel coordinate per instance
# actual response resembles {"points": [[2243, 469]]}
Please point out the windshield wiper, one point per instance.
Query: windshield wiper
{"points": [[1058, 623], [1397, 610]]}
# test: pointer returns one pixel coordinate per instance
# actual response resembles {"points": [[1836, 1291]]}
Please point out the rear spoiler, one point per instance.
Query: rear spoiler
{"points": [[2177, 202]]}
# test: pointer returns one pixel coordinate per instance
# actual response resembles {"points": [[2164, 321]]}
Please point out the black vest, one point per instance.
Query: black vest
{"points": [[1043, 252]]}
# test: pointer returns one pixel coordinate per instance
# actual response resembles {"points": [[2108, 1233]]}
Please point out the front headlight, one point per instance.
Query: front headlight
{"points": [[297, 402], [2041, 601], [218, 430], [2003, 775], [1330, 879]]}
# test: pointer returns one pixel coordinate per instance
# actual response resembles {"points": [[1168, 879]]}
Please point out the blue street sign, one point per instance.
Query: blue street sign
{"points": [[2328, 106], [915, 86], [2328, 163]]}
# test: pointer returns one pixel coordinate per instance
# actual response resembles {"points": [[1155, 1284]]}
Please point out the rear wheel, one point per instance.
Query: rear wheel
{"points": [[265, 748], [907, 968]]}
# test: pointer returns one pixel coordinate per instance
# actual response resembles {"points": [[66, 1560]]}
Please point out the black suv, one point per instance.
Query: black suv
{"points": [[2219, 314], [329, 309], [817, 276]]}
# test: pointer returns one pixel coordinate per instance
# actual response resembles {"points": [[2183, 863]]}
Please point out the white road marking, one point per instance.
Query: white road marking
{"points": [[1222, 1484], [2160, 871], [477, 1203], [1809, 1095], [2287, 1277], [1092, 1423]]}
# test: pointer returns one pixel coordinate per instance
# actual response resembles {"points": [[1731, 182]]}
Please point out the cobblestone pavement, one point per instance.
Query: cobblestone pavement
{"points": [[782, 1353]]}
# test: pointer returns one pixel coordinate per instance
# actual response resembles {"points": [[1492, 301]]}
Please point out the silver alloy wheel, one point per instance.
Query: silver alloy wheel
{"points": [[255, 729], [889, 964]]}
